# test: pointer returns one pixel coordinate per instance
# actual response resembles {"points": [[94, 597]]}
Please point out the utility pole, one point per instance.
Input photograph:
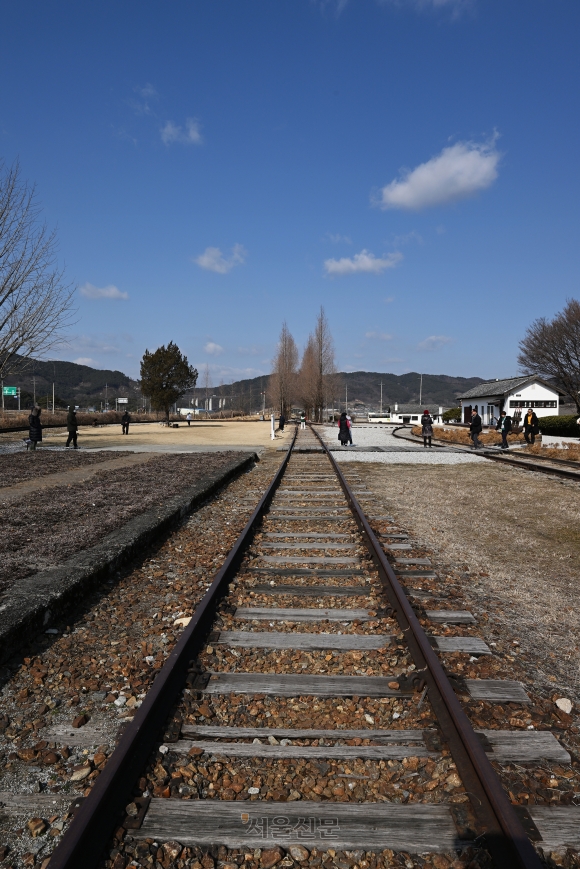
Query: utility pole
{"points": [[53, 396], [421, 390], [346, 399], [106, 396], [381, 397], [33, 389]]}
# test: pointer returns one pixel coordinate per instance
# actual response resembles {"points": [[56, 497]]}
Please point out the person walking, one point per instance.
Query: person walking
{"points": [[426, 427], [349, 429], [531, 426], [504, 426], [188, 418], [72, 427], [281, 422], [34, 427], [475, 429], [125, 420], [302, 420], [343, 429]]}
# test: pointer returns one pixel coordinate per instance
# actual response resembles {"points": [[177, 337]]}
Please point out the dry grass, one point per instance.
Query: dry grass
{"points": [[569, 452], [461, 436], [517, 534], [20, 420]]}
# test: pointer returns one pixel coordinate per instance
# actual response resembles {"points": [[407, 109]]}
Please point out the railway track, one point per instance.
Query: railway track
{"points": [[304, 717], [541, 464]]}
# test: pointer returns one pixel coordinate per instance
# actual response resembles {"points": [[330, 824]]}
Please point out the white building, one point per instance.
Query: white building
{"points": [[513, 395]]}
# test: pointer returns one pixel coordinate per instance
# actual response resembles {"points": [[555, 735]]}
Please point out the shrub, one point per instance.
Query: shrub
{"points": [[454, 413], [559, 426]]}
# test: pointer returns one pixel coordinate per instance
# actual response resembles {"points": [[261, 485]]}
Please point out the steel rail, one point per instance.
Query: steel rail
{"points": [[504, 835], [82, 845], [516, 461]]}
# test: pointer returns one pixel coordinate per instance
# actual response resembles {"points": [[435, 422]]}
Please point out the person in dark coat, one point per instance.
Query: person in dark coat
{"points": [[34, 427], [531, 426], [72, 427], [504, 426], [475, 429], [281, 422], [343, 429], [426, 427], [125, 420]]}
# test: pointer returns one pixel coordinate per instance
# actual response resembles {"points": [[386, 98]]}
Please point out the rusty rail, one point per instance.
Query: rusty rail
{"points": [[503, 832], [82, 845]]}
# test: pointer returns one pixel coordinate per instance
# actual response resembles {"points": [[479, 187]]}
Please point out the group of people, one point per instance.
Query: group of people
{"points": [[504, 426], [35, 427]]}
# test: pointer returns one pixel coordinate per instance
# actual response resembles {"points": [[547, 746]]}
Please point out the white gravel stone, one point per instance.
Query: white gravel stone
{"points": [[404, 452]]}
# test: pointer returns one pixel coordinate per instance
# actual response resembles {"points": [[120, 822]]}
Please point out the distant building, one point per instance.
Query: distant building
{"points": [[406, 414], [514, 395]]}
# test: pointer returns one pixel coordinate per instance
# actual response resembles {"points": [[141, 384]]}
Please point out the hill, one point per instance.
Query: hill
{"points": [[89, 387], [73, 384]]}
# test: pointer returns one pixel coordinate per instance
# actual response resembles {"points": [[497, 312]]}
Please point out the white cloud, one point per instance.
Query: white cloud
{"points": [[213, 259], [89, 291], [148, 92], [455, 6], [434, 342], [337, 238], [380, 336], [84, 360], [388, 300], [190, 134], [364, 261], [459, 171], [213, 349], [254, 350]]}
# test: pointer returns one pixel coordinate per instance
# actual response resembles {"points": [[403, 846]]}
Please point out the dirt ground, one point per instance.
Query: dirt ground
{"points": [[215, 433], [515, 537]]}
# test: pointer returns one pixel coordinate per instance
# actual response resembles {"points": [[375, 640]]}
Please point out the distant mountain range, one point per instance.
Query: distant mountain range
{"points": [[73, 384], [89, 387]]}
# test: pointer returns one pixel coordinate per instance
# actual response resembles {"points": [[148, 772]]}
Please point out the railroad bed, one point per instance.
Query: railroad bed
{"points": [[304, 717]]}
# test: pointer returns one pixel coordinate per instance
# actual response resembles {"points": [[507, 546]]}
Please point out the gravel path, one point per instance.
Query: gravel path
{"points": [[400, 452]]}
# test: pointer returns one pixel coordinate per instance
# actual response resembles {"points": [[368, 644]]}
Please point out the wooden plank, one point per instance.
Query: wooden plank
{"points": [[416, 828], [415, 574], [527, 746], [385, 534], [289, 517], [313, 510], [313, 534], [288, 685], [94, 733], [399, 546], [285, 752], [304, 571], [451, 617], [312, 490], [308, 642], [225, 732], [413, 561], [471, 645], [302, 614], [308, 546], [559, 826], [33, 804], [382, 518], [314, 590], [497, 690], [311, 559]]}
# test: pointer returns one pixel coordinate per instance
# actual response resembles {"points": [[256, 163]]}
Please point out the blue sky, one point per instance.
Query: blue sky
{"points": [[213, 168]]}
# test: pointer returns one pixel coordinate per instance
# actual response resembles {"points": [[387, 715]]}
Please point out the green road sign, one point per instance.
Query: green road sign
{"points": [[11, 390]]}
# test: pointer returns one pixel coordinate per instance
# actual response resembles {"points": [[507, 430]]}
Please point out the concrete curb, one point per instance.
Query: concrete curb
{"points": [[40, 598]]}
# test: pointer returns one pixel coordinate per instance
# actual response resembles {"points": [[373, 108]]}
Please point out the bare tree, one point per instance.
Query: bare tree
{"points": [[325, 367], [35, 303], [551, 349], [307, 378], [285, 372]]}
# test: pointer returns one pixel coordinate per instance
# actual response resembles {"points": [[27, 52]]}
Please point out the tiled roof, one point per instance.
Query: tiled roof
{"points": [[497, 387], [416, 408]]}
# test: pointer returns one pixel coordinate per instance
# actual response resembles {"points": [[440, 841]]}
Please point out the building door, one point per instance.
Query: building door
{"points": [[467, 414]]}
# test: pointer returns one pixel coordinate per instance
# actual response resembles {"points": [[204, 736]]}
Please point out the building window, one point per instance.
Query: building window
{"points": [[514, 404]]}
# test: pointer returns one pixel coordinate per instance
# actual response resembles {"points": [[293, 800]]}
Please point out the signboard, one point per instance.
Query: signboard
{"points": [[122, 401], [10, 390]]}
